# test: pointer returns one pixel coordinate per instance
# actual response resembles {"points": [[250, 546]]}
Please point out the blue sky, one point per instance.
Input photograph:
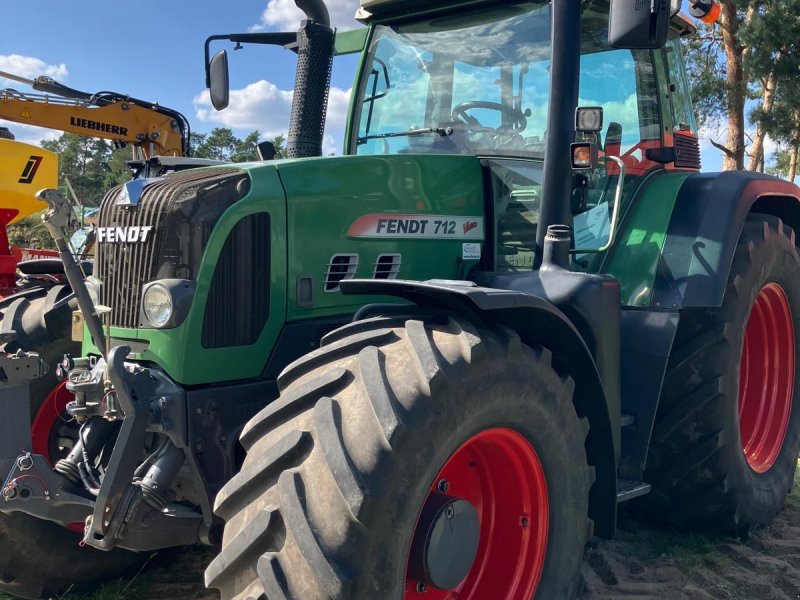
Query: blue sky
{"points": [[154, 50]]}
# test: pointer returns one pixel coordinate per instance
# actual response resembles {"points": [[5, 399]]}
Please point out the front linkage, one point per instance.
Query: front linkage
{"points": [[120, 409]]}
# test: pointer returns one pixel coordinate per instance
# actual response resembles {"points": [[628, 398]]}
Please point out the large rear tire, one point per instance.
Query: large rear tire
{"points": [[40, 559], [727, 435], [368, 435]]}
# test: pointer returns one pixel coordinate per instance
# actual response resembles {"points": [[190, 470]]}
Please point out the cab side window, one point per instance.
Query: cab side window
{"points": [[623, 82], [680, 97]]}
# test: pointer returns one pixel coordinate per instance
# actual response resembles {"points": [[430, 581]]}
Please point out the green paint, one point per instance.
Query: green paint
{"points": [[350, 42], [327, 195], [178, 351], [362, 74], [312, 203], [635, 256]]}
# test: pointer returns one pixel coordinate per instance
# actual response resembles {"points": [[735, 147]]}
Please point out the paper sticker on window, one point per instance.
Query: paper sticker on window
{"points": [[592, 228]]}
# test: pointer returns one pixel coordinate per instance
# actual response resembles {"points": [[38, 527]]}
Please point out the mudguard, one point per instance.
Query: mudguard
{"points": [[709, 213], [538, 321]]}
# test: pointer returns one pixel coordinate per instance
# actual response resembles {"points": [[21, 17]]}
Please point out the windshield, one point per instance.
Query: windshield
{"points": [[473, 83], [479, 83]]}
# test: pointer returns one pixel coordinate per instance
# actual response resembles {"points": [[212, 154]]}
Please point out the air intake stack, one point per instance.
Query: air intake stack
{"points": [[312, 81]]}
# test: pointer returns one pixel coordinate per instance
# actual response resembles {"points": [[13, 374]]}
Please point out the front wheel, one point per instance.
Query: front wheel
{"points": [[409, 460]]}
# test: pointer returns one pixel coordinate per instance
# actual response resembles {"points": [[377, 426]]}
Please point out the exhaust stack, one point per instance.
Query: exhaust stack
{"points": [[312, 81]]}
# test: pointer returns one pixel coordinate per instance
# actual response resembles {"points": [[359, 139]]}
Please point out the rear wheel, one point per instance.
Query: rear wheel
{"points": [[410, 460], [727, 436], [40, 559]]}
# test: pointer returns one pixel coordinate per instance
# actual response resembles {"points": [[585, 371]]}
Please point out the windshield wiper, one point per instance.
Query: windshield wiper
{"points": [[442, 131]]}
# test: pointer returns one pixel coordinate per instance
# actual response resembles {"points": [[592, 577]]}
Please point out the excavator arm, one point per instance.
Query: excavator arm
{"points": [[154, 129], [120, 121]]}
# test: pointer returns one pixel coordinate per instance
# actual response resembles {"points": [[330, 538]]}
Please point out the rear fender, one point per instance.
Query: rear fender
{"points": [[704, 228], [538, 322]]}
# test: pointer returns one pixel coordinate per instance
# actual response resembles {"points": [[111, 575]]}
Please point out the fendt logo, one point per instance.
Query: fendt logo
{"points": [[29, 172], [130, 235]]}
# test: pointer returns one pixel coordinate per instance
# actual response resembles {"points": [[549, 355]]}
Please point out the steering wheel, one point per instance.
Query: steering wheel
{"points": [[512, 115]]}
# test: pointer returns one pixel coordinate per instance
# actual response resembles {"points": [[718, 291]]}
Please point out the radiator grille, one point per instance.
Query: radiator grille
{"points": [[182, 210], [238, 300]]}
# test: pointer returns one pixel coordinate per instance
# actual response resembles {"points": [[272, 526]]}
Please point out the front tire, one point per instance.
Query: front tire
{"points": [[727, 435], [368, 430]]}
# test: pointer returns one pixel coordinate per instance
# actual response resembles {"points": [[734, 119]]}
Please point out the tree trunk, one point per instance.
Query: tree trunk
{"points": [[793, 161], [737, 88], [767, 101]]}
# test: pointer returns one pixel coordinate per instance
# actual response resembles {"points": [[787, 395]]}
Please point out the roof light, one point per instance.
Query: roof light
{"points": [[589, 119]]}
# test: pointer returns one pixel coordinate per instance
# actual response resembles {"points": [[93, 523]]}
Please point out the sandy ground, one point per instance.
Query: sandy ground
{"points": [[651, 564], [642, 563]]}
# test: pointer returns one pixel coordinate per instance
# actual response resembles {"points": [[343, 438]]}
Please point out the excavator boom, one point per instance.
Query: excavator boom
{"points": [[156, 133]]}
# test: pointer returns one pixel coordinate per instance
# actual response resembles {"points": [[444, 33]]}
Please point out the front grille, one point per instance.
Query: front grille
{"points": [[182, 210]]}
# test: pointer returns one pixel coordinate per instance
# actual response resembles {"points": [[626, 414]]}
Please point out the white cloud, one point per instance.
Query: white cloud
{"points": [[330, 145], [284, 15], [30, 134], [338, 105], [262, 105], [29, 67]]}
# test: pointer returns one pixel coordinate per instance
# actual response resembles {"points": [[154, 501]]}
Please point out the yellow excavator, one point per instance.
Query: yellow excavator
{"points": [[152, 129], [24, 170]]}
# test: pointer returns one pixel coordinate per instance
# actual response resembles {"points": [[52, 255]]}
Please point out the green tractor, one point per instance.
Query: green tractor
{"points": [[433, 367]]}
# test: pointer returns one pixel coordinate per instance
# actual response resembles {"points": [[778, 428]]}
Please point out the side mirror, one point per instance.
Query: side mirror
{"points": [[218, 80], [638, 25]]}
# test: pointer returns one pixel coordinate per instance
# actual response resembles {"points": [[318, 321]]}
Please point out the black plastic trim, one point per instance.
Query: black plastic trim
{"points": [[646, 341]]}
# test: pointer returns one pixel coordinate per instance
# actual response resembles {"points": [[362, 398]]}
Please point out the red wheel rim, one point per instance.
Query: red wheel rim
{"points": [[766, 378], [51, 412], [500, 474]]}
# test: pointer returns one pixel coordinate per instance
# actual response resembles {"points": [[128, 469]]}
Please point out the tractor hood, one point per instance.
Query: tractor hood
{"points": [[273, 251]]}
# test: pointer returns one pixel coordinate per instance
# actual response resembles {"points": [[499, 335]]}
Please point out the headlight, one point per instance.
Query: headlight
{"points": [[93, 286], [157, 305], [165, 303]]}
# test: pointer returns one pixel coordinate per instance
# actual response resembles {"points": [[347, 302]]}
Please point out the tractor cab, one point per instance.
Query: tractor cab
{"points": [[476, 81]]}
